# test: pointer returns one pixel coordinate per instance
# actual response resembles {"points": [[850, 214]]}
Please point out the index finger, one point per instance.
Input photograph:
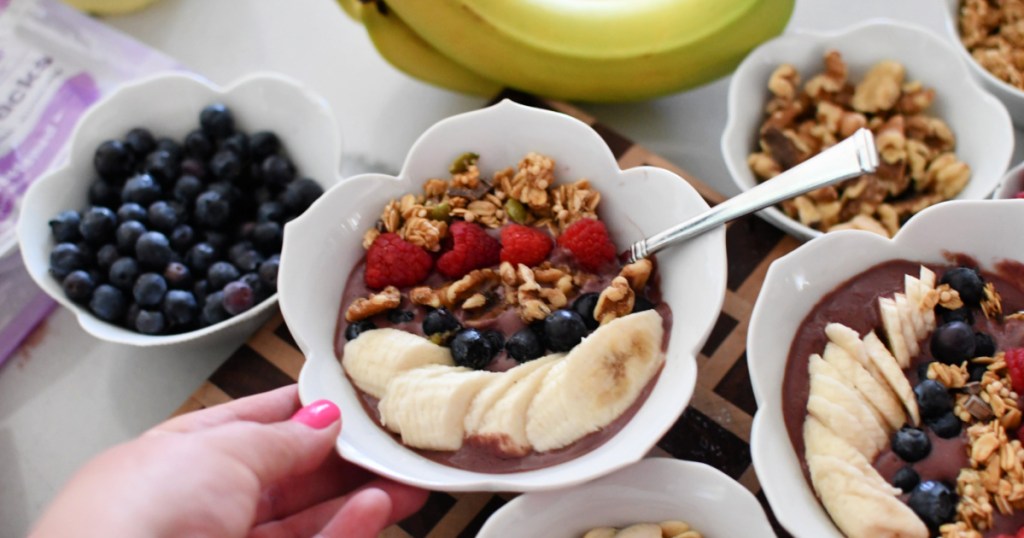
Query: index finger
{"points": [[272, 406]]}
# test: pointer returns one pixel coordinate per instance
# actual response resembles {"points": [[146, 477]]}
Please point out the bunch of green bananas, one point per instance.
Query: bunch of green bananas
{"points": [[585, 50]]}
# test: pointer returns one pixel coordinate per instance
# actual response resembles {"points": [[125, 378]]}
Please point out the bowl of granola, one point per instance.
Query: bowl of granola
{"points": [[991, 44], [889, 392], [472, 318], [940, 136]]}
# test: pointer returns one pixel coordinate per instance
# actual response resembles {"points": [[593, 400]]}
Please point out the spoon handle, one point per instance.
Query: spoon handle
{"points": [[850, 158]]}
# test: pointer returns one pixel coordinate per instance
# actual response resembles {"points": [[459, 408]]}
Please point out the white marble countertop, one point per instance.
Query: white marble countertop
{"points": [[66, 396]]}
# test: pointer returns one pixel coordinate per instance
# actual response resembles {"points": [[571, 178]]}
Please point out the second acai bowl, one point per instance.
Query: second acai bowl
{"points": [[441, 309]]}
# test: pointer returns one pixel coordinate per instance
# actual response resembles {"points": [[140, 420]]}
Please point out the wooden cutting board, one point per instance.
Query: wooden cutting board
{"points": [[715, 428]]}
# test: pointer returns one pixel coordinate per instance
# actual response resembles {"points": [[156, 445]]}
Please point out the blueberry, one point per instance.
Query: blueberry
{"points": [[212, 209], [496, 338], [300, 194], [163, 167], [259, 291], [359, 327], [932, 398], [132, 315], [149, 289], [103, 193], [397, 316], [268, 271], [911, 444], [172, 147], [267, 236], [524, 345], [934, 502], [88, 253], [642, 304], [976, 371], [127, 234], [563, 329], [226, 165], [906, 479], [98, 225], [967, 282], [123, 273], [201, 289], [227, 190], [218, 240], [220, 274], [187, 188], [177, 275], [65, 258], [64, 227], [440, 321], [141, 189], [213, 309], [946, 426], [238, 144], [953, 342], [584, 306], [472, 349], [200, 257], [182, 237], [78, 286], [131, 211], [180, 307], [963, 314], [113, 160], [263, 144], [164, 216], [108, 303], [154, 250], [150, 322], [270, 211], [244, 257], [140, 141], [106, 256], [277, 171], [984, 345], [217, 121], [238, 297], [198, 145]]}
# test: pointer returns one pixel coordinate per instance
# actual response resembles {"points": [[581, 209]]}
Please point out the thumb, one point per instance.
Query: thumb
{"points": [[278, 450]]}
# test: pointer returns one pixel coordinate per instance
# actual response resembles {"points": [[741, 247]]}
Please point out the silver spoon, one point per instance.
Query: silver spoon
{"points": [[850, 158]]}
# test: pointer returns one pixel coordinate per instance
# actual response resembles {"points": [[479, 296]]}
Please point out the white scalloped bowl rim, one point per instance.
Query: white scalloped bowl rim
{"points": [[169, 104], [649, 491], [797, 281], [322, 246], [980, 122]]}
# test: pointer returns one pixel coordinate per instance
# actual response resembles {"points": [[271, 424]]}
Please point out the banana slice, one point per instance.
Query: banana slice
{"points": [[504, 425], [886, 363], [875, 389], [821, 441], [493, 392], [894, 331], [640, 530], [377, 356], [847, 497], [428, 405], [915, 296], [927, 283], [824, 384], [599, 379], [600, 532], [907, 324]]}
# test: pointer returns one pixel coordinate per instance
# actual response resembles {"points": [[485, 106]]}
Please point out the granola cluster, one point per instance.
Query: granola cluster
{"points": [[917, 166], [993, 32], [995, 480]]}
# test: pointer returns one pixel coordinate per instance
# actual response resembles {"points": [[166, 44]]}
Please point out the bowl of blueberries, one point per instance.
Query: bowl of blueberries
{"points": [[166, 221]]}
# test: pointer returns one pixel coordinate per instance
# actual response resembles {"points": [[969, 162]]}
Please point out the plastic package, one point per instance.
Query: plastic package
{"points": [[55, 62]]}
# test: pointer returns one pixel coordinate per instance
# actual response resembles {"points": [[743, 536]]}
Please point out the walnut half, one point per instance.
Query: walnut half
{"points": [[376, 303]]}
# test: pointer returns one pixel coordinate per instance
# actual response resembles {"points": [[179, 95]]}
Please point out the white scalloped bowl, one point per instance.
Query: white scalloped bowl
{"points": [[794, 285], [322, 246], [169, 105], [650, 491], [1011, 97], [981, 124]]}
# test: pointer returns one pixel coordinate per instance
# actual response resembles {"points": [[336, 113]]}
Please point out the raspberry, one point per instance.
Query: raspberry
{"points": [[393, 261], [1015, 364], [471, 249], [588, 241], [525, 245], [1019, 195]]}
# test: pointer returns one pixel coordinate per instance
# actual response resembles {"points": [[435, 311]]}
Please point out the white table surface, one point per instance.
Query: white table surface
{"points": [[66, 396]]}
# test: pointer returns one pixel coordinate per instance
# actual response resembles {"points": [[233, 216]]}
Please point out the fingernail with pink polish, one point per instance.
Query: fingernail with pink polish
{"points": [[318, 415]]}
